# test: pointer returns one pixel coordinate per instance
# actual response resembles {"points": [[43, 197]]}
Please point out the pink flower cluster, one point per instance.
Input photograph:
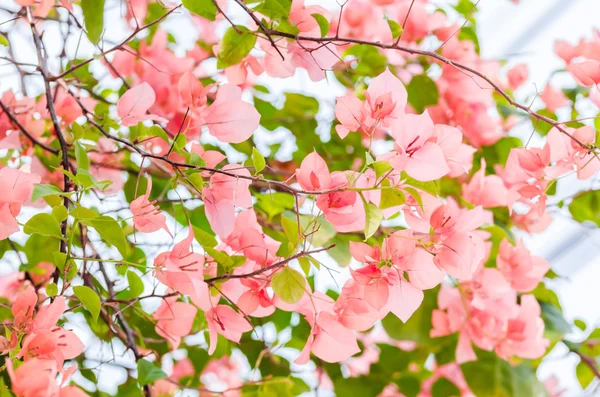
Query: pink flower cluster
{"points": [[487, 312]]}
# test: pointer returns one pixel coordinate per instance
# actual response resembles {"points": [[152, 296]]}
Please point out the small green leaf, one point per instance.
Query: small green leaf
{"points": [[40, 191], [83, 162], [93, 15], [381, 168], [204, 8], [323, 24], [204, 239], [136, 285], [109, 230], [258, 160], [89, 299], [444, 388], [234, 46], [149, 373], [275, 8], [586, 207], [60, 213], [391, 198], [288, 285], [374, 218], [290, 228], [77, 131], [157, 131], [51, 289], [395, 27], [44, 224], [422, 92], [3, 40]]}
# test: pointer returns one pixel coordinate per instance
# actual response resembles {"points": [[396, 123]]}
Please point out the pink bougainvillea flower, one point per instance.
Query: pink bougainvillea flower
{"points": [[225, 321], [46, 340], [517, 76], [586, 73], [523, 270], [226, 192], [134, 104], [147, 217], [568, 154], [16, 187], [183, 270], [229, 118], [487, 191], [35, 377], [313, 174], [329, 340], [525, 332], [553, 98], [419, 154], [386, 100], [191, 90], [174, 320]]}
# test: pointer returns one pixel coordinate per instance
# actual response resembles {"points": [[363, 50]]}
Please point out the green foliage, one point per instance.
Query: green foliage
{"points": [[288, 285], [585, 207], [422, 92], [205, 8], [149, 373], [236, 44], [93, 15], [89, 299], [417, 328], [490, 376]]}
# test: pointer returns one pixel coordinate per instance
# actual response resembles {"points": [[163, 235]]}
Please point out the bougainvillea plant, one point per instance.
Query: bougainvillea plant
{"points": [[176, 218]]}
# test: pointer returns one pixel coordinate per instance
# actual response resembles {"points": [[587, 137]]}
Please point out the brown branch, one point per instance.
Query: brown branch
{"points": [[16, 122], [260, 26], [440, 58], [271, 267], [64, 147], [115, 48]]}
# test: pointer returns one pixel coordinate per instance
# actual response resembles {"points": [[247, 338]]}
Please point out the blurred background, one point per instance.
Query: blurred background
{"points": [[516, 33]]}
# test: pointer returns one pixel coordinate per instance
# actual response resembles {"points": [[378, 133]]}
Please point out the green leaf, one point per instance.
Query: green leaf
{"points": [[3, 40], [275, 8], [89, 299], [40, 191], [60, 213], [93, 15], [235, 46], [395, 27], [586, 207], [290, 227], [585, 375], [580, 324], [52, 289], [381, 168], [136, 285], [277, 387], [205, 239], [258, 160], [491, 376], [374, 218], [444, 388], [391, 198], [555, 324], [44, 224], [418, 325], [288, 285], [83, 162], [323, 24], [204, 8], [422, 92], [110, 230], [148, 373]]}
